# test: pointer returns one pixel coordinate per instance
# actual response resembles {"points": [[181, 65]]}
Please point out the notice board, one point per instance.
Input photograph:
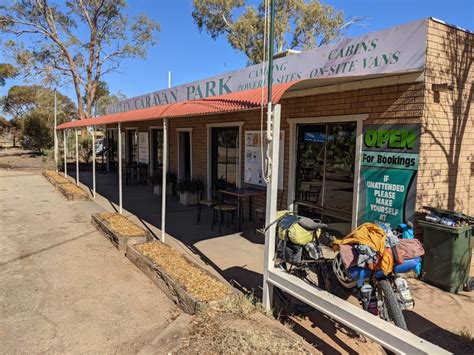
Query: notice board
{"points": [[143, 152], [389, 167], [253, 173]]}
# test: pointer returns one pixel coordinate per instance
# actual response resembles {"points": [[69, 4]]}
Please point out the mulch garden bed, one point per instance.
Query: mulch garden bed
{"points": [[120, 230], [182, 280], [69, 189]]}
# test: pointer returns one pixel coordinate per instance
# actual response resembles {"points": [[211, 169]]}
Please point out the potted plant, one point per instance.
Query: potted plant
{"points": [[188, 190], [171, 180], [157, 179]]}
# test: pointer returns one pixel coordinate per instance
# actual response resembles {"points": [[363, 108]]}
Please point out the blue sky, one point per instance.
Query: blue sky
{"points": [[191, 55]]}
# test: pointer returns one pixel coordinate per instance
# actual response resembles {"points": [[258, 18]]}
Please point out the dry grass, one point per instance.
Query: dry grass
{"points": [[121, 224], [196, 281], [65, 183], [466, 336], [230, 327], [74, 189], [57, 177]]}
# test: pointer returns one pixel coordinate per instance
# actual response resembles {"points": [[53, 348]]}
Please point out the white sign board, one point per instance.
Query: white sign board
{"points": [[253, 173], [143, 147], [122, 137], [395, 50]]}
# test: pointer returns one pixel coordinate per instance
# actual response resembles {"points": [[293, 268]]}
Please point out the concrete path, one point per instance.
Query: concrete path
{"points": [[64, 287]]}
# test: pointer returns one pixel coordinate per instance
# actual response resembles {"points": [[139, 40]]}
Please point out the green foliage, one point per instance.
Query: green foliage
{"points": [[22, 100], [7, 71], [104, 98], [4, 124], [36, 133], [76, 41], [299, 24], [189, 185]]}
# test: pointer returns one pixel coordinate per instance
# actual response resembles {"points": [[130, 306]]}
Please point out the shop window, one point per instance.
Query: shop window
{"points": [[325, 170], [224, 156]]}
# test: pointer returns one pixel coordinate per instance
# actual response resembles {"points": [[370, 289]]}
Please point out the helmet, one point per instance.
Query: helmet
{"points": [[340, 271]]}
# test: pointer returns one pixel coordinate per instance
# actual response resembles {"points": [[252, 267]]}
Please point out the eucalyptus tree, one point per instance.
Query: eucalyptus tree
{"points": [[7, 71], [77, 41], [299, 24]]}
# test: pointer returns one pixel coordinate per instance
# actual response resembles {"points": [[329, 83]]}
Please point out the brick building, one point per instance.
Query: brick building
{"points": [[355, 147]]}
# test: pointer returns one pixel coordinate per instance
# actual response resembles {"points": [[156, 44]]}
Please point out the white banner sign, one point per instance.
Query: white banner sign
{"points": [[395, 50], [253, 159], [143, 147]]}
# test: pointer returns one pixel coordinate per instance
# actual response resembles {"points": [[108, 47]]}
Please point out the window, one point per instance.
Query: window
{"points": [[157, 149], [325, 168], [224, 155], [112, 139], [132, 146]]}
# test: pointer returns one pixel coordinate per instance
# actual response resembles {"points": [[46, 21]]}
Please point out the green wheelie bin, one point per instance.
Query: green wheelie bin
{"points": [[448, 252]]}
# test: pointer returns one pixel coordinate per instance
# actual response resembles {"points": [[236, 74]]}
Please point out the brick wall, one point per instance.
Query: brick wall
{"points": [[446, 173], [387, 104], [446, 156]]}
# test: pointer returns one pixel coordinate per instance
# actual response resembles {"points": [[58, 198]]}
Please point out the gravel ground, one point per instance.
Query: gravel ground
{"points": [[63, 287], [15, 158]]}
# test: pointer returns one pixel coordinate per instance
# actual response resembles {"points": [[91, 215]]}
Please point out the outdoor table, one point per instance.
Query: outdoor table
{"points": [[241, 193]]}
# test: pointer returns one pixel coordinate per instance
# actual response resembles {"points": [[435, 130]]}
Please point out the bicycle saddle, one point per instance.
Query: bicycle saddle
{"points": [[309, 224]]}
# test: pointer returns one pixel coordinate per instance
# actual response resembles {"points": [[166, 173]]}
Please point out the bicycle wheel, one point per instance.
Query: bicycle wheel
{"points": [[391, 305], [286, 302]]}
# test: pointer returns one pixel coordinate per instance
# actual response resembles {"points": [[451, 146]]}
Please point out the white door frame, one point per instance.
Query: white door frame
{"points": [[209, 127], [359, 119], [178, 131], [151, 148]]}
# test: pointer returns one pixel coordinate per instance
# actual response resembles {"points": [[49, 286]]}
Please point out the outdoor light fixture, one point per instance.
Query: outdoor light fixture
{"points": [[442, 87]]}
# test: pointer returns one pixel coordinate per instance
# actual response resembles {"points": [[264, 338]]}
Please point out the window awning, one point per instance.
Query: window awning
{"points": [[236, 101]]}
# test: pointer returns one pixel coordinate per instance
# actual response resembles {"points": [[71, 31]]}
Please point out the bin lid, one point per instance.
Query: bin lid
{"points": [[448, 213], [443, 227]]}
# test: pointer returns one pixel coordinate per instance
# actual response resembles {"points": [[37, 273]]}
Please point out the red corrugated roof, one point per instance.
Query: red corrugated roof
{"points": [[236, 101]]}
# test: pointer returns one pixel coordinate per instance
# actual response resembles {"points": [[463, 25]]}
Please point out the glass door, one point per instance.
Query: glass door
{"points": [[132, 146], [157, 150], [112, 149], [325, 172], [224, 156]]}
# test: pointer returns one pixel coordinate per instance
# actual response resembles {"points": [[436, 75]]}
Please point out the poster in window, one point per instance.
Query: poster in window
{"points": [[143, 154], [253, 173]]}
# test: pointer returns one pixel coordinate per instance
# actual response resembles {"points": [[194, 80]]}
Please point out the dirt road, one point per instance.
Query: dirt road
{"points": [[63, 287]]}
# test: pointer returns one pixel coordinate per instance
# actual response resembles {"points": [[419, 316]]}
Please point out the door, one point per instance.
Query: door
{"points": [[184, 156], [325, 172], [132, 146], [112, 149], [157, 151], [224, 156]]}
